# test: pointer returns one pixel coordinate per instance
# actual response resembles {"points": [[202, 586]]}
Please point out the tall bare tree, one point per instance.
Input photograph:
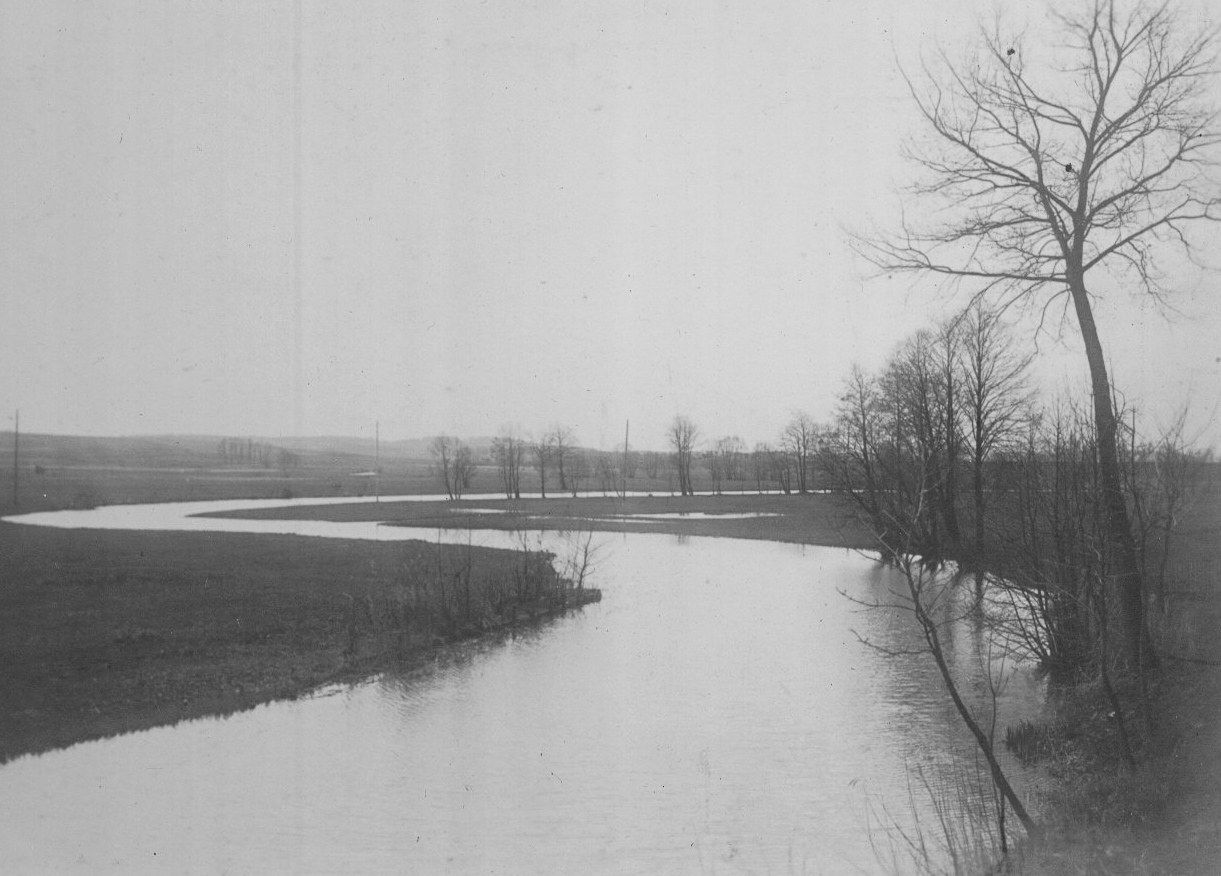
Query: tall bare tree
{"points": [[443, 450], [542, 451], [761, 465], [579, 469], [607, 471], [852, 454], [1093, 155], [996, 400], [683, 435], [464, 468], [800, 439], [724, 461], [563, 443], [509, 451], [946, 353], [916, 400]]}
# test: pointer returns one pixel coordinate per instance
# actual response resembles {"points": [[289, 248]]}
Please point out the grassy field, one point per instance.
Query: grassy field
{"points": [[56, 472], [810, 519], [106, 632], [62, 472]]}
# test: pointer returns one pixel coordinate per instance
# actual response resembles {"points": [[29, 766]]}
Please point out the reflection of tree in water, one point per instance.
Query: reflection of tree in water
{"points": [[946, 768]]}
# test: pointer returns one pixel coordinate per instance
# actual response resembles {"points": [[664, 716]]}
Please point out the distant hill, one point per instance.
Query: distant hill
{"points": [[195, 451], [404, 448], [151, 451]]}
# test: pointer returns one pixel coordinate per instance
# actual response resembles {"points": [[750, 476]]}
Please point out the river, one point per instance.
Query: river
{"points": [[717, 712]]}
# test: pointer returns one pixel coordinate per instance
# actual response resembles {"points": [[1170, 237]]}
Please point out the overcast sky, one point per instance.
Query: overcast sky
{"points": [[280, 218]]}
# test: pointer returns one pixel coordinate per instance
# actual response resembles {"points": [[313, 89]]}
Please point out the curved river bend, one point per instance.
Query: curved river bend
{"points": [[715, 713]]}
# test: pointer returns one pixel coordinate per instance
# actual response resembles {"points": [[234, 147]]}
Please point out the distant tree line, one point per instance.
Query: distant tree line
{"points": [[246, 451]]}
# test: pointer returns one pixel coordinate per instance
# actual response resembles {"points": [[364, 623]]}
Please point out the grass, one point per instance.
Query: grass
{"points": [[58, 471], [106, 632], [810, 519]]}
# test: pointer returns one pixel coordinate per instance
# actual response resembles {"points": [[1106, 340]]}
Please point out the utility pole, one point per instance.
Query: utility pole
{"points": [[627, 424], [16, 451], [377, 462]]}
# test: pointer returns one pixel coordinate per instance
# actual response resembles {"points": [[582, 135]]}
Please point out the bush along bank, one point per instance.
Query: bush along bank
{"points": [[459, 598]]}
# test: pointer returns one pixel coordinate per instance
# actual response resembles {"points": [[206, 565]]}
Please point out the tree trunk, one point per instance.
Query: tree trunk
{"points": [[1127, 577], [977, 492], [949, 494]]}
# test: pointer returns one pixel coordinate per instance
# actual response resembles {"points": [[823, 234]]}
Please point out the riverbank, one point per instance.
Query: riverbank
{"points": [[1164, 817], [109, 632]]}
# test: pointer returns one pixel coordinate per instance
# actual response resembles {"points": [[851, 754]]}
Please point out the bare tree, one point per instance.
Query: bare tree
{"points": [[924, 593], [605, 471], [1049, 171], [563, 443], [946, 352], [683, 435], [542, 451], [852, 453], [731, 448], [509, 451], [996, 401], [716, 471], [579, 469], [464, 468], [929, 595], [724, 461], [915, 400], [761, 465], [799, 439], [443, 449]]}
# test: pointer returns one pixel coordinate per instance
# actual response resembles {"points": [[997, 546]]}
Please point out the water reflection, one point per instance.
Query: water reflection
{"points": [[715, 713]]}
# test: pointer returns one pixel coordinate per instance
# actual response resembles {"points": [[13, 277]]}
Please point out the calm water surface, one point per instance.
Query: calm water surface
{"points": [[716, 713]]}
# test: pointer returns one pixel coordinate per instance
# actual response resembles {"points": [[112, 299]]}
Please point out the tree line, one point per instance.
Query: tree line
{"points": [[555, 461], [1047, 174]]}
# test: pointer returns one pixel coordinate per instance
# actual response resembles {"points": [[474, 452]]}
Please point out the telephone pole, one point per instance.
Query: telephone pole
{"points": [[16, 452], [627, 425]]}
